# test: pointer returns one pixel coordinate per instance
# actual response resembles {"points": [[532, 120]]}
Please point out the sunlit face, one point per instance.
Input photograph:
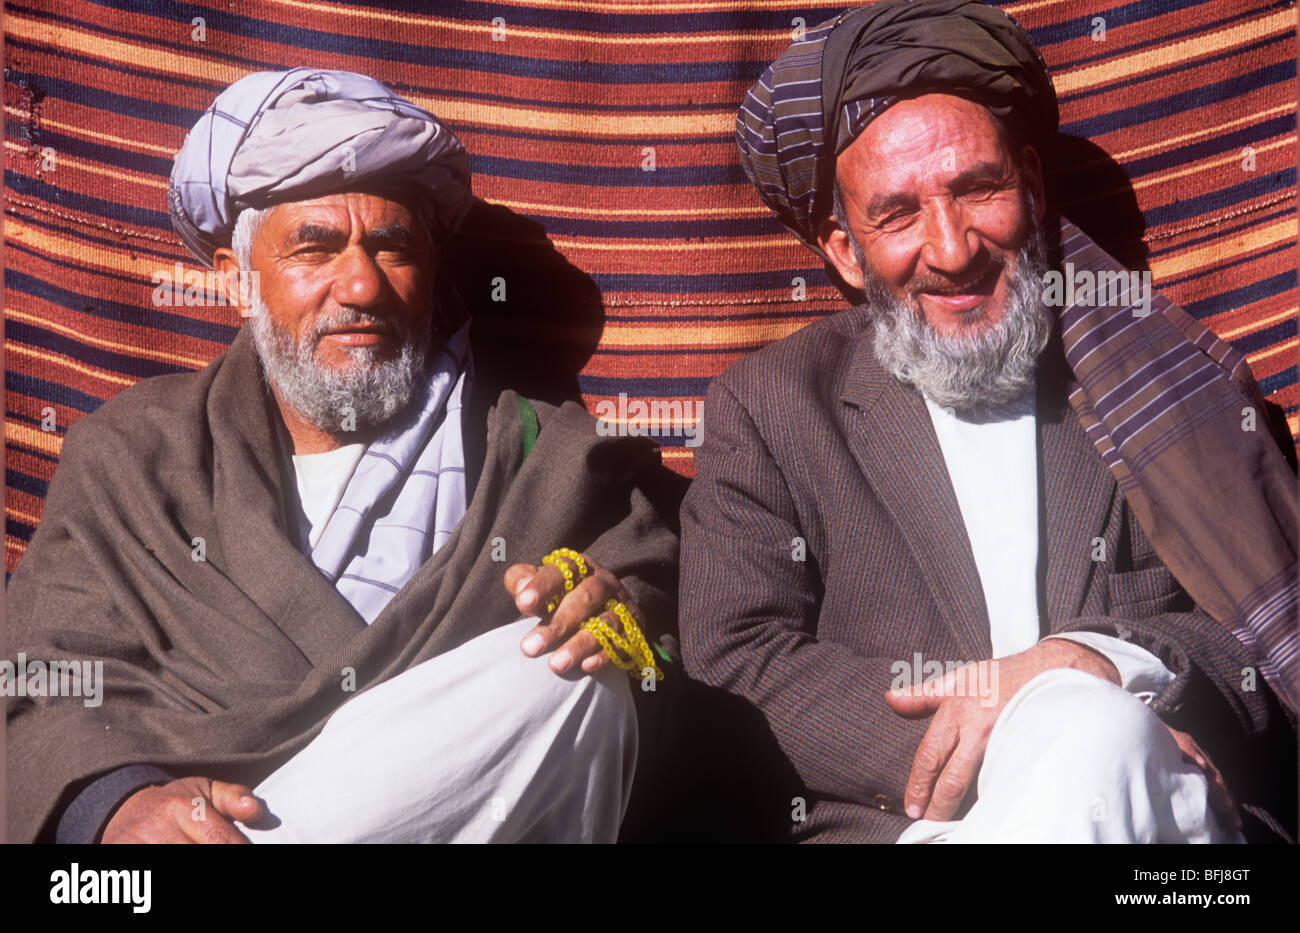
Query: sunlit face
{"points": [[317, 259], [339, 309], [937, 202]]}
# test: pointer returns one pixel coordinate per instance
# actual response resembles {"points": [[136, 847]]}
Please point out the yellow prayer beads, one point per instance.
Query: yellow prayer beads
{"points": [[559, 559], [633, 644]]}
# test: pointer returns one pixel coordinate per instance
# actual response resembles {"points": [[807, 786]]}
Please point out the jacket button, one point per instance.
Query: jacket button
{"points": [[879, 801]]}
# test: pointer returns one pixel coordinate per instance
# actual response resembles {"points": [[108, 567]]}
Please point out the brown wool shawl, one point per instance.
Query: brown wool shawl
{"points": [[228, 666]]}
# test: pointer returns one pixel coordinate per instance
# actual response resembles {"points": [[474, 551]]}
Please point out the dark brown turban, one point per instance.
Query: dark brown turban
{"points": [[823, 91]]}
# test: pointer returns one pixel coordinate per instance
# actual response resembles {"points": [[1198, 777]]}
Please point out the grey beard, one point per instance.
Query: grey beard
{"points": [[979, 374], [368, 393]]}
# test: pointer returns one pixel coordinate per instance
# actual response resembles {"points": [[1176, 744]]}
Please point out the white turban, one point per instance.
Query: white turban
{"points": [[279, 136]]}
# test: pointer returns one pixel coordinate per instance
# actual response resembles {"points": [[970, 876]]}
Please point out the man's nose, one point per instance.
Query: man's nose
{"points": [[358, 280], [950, 243]]}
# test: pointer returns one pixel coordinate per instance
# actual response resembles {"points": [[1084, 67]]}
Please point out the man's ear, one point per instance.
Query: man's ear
{"points": [[1031, 170], [834, 241], [226, 265]]}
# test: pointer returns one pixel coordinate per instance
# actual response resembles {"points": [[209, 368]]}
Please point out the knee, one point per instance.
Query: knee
{"points": [[604, 695], [1095, 718]]}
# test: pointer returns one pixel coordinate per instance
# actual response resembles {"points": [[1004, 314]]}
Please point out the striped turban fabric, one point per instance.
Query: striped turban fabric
{"points": [[1173, 411], [276, 136], [815, 99]]}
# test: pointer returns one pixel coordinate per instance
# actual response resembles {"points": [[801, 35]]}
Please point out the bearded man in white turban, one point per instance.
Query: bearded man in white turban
{"points": [[312, 573]]}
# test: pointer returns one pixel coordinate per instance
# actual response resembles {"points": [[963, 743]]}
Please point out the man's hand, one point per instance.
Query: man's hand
{"points": [[534, 587], [170, 813], [950, 753], [1220, 800]]}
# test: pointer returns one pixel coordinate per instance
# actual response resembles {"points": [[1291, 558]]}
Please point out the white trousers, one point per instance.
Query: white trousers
{"points": [[1074, 758], [480, 744]]}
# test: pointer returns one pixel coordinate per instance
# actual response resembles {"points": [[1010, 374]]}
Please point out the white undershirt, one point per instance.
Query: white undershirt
{"points": [[994, 471], [321, 480]]}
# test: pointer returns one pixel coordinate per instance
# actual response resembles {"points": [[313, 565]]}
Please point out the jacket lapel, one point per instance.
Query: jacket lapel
{"points": [[249, 484], [893, 440], [1077, 493]]}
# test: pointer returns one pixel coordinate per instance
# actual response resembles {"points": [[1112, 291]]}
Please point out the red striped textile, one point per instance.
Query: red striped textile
{"points": [[632, 255]]}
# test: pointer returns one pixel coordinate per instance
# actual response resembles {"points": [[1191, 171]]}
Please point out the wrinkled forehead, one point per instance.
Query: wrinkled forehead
{"points": [[926, 138], [349, 212]]}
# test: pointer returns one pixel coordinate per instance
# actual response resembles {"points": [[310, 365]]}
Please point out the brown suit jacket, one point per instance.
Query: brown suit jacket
{"points": [[810, 441]]}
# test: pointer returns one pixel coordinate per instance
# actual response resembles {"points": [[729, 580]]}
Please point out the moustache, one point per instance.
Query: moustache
{"points": [[355, 317], [945, 285]]}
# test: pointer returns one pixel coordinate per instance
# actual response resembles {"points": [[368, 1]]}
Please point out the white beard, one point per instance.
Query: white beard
{"points": [[979, 373], [367, 393]]}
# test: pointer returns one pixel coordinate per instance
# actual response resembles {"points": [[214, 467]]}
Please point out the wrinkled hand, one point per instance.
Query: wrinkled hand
{"points": [[167, 814], [950, 753], [533, 587], [1220, 799]]}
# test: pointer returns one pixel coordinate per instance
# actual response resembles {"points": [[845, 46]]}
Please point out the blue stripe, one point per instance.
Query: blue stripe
{"points": [[1233, 262], [24, 483], [138, 315], [139, 247], [1216, 145], [71, 200], [1279, 381], [1243, 295], [135, 366], [1129, 14], [1265, 338], [1234, 86], [478, 12], [51, 392], [1202, 23], [1206, 202], [486, 57], [629, 174]]}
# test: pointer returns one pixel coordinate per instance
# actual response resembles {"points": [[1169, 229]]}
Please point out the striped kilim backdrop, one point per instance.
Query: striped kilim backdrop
{"points": [[630, 252]]}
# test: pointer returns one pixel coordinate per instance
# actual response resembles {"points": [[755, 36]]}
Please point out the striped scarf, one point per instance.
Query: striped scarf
{"points": [[1178, 420], [405, 496]]}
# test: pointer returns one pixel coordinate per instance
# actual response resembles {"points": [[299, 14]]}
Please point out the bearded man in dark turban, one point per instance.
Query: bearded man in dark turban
{"points": [[308, 580], [990, 553]]}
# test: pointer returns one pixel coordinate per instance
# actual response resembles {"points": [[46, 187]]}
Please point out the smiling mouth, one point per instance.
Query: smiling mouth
{"points": [[359, 335], [963, 298]]}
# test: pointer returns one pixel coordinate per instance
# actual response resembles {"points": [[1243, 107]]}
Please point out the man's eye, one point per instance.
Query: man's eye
{"points": [[895, 219]]}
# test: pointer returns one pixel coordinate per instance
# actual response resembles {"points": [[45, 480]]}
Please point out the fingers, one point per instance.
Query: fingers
{"points": [[562, 634], [235, 801], [1218, 795], [532, 586], [199, 817], [932, 754], [911, 702], [581, 648], [917, 700], [182, 811], [516, 576], [953, 783], [1220, 799], [586, 599]]}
